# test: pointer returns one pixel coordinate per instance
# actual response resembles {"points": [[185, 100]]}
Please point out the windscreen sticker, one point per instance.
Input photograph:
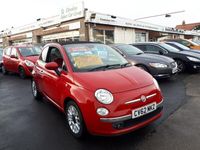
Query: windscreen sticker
{"points": [[86, 60]]}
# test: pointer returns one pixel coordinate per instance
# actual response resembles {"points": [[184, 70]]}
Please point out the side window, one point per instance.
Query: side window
{"points": [[141, 47], [43, 55], [14, 52], [153, 48], [7, 51], [54, 55]]}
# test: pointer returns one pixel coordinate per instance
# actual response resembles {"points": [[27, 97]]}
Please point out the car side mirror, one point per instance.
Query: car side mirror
{"points": [[13, 56], [53, 66]]}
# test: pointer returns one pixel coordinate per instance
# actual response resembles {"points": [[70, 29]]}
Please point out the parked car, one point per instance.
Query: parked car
{"points": [[20, 59], [96, 88], [185, 60], [196, 41], [157, 65], [182, 47], [1, 55], [185, 42]]}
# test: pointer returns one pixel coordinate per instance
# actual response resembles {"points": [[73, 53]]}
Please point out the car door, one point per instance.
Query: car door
{"points": [[53, 82], [6, 59], [39, 69], [14, 60], [153, 49]]}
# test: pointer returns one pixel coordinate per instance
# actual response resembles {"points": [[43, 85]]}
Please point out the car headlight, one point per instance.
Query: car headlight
{"points": [[193, 59], [156, 84], [158, 65], [29, 63], [104, 96]]}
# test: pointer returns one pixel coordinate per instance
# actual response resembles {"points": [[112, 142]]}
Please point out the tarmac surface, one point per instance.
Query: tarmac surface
{"points": [[26, 124]]}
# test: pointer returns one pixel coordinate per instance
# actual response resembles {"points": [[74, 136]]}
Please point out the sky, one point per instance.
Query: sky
{"points": [[14, 13]]}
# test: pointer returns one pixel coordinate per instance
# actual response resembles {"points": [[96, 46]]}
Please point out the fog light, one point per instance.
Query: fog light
{"points": [[102, 111]]}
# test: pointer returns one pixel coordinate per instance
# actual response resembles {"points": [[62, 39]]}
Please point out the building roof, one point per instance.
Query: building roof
{"points": [[190, 26]]}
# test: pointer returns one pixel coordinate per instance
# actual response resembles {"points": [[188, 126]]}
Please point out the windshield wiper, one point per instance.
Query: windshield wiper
{"points": [[106, 67], [139, 53], [126, 65], [32, 55]]}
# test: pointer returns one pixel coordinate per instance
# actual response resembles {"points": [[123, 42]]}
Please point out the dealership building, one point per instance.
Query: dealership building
{"points": [[75, 23]]}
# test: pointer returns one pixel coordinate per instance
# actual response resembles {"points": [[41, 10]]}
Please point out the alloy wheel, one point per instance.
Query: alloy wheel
{"points": [[180, 66], [34, 89], [4, 71], [22, 73], [73, 119]]}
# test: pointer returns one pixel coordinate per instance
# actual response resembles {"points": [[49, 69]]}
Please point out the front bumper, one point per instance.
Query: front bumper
{"points": [[171, 70], [164, 73], [126, 117], [193, 66], [119, 120]]}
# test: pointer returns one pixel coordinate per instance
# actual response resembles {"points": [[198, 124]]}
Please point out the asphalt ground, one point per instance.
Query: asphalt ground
{"points": [[26, 124]]}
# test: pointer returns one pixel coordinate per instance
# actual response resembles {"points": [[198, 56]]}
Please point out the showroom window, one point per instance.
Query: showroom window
{"points": [[103, 36], [140, 37]]}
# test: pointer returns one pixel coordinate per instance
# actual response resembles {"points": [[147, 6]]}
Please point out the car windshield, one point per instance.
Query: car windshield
{"points": [[197, 42], [181, 46], [30, 51], [130, 50], [188, 43], [169, 48], [93, 57]]}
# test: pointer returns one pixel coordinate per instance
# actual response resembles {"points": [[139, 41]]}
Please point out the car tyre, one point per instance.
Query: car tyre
{"points": [[181, 66], [36, 94], [4, 71], [22, 73], [75, 122]]}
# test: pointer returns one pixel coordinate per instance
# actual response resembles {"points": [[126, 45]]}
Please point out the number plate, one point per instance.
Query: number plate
{"points": [[143, 110]]}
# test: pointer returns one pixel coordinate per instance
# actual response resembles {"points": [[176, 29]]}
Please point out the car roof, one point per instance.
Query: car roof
{"points": [[117, 44], [146, 43], [78, 42], [21, 46]]}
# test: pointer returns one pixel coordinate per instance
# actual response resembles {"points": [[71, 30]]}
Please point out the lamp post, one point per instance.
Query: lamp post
{"points": [[167, 15]]}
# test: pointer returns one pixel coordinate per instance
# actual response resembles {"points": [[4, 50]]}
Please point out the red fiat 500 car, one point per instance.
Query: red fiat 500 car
{"points": [[96, 88], [20, 59]]}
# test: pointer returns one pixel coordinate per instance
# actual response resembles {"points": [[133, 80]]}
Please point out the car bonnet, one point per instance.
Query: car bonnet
{"points": [[115, 80]]}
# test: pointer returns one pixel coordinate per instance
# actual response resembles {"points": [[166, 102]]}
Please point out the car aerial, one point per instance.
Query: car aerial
{"points": [[181, 47], [20, 59], [157, 65], [185, 42], [185, 60], [1, 55], [97, 89]]}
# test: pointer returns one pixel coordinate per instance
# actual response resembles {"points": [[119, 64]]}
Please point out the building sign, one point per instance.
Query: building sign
{"points": [[49, 21], [118, 21], [173, 30], [99, 18], [60, 35], [72, 12]]}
